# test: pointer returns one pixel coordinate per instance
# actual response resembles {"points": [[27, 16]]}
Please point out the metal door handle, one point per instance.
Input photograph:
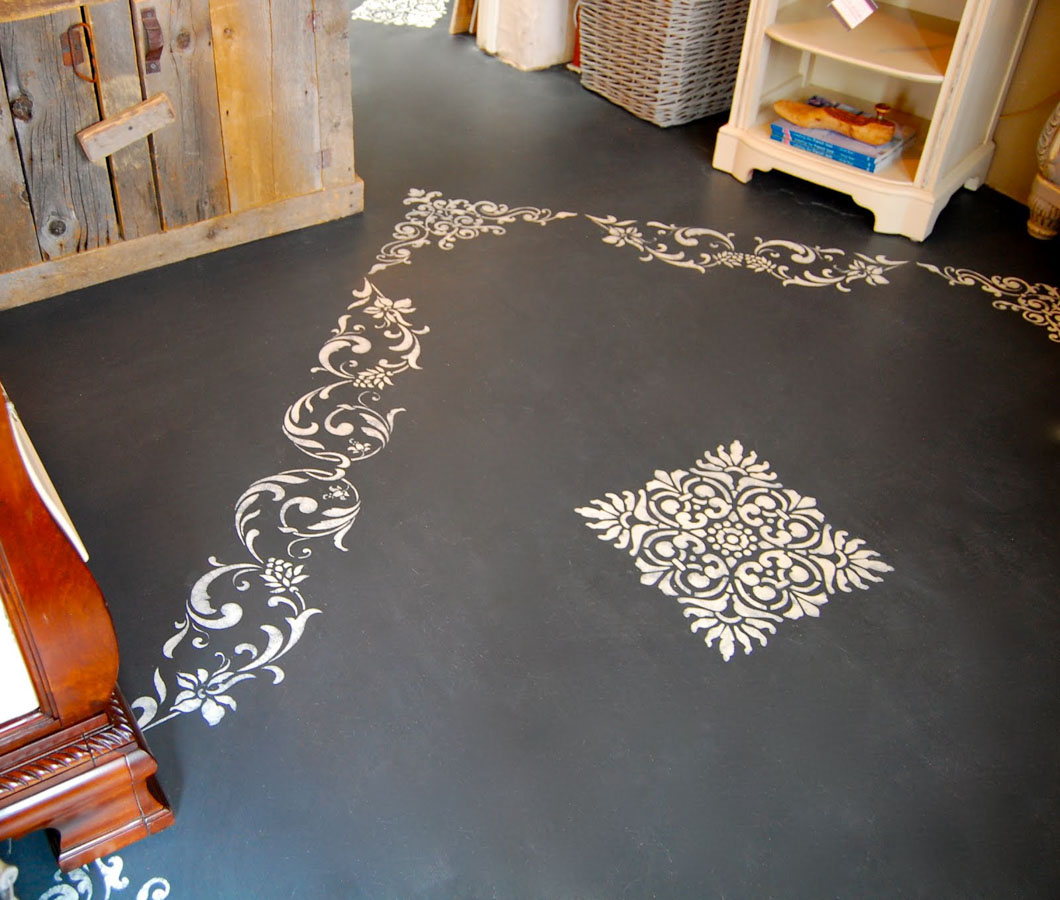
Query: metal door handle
{"points": [[153, 40], [73, 56]]}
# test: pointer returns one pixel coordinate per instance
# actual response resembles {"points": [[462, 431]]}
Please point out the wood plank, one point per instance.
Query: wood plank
{"points": [[71, 199], [189, 158], [112, 134], [29, 9], [73, 272], [336, 91], [295, 99], [131, 168], [18, 235], [267, 90], [460, 20], [243, 56]]}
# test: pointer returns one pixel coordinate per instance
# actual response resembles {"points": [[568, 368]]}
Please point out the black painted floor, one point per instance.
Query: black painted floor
{"points": [[488, 702]]}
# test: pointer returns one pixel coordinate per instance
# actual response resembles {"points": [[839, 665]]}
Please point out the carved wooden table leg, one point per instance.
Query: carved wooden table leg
{"points": [[94, 785]]}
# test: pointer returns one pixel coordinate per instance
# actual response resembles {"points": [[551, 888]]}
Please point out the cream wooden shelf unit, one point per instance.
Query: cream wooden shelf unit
{"points": [[943, 64]]}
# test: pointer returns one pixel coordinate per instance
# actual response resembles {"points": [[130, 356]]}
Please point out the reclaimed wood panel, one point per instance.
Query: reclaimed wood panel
{"points": [[336, 91], [295, 99], [18, 236], [267, 89], [28, 9], [115, 133], [131, 168], [188, 157], [50, 278], [243, 55], [73, 208]]}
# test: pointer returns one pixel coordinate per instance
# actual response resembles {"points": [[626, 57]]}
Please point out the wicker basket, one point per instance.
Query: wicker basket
{"points": [[667, 61]]}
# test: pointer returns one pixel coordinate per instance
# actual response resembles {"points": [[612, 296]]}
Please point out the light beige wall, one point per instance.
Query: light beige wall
{"points": [[1034, 91]]}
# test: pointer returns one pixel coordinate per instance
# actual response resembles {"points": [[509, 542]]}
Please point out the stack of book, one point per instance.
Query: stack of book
{"points": [[869, 157]]}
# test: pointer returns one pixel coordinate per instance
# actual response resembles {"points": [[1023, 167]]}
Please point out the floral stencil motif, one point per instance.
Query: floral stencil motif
{"points": [[417, 13], [106, 875], [1039, 303], [738, 550], [448, 220], [787, 261], [279, 518]]}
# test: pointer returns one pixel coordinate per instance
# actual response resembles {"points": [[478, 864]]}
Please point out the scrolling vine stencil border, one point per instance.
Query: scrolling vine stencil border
{"points": [[279, 517], [449, 220], [814, 266], [1038, 303], [82, 883]]}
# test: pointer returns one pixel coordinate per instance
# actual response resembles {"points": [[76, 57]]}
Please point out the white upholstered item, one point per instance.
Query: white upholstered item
{"points": [[18, 697]]}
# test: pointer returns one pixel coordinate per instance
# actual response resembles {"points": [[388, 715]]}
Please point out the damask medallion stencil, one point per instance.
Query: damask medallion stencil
{"points": [[739, 551], [417, 13]]}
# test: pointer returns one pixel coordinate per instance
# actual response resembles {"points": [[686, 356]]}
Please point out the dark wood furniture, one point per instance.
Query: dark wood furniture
{"points": [[78, 764]]}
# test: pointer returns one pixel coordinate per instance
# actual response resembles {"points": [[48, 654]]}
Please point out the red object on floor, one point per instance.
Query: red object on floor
{"points": [[576, 60]]}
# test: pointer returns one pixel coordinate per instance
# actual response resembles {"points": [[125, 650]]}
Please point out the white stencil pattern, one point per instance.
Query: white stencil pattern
{"points": [[1038, 303], [447, 220], [280, 518], [417, 13], [740, 552], [101, 880], [787, 261]]}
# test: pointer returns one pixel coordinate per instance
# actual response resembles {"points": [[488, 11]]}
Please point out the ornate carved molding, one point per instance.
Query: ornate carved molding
{"points": [[115, 735]]}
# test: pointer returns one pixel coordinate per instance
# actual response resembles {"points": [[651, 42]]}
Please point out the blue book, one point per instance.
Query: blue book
{"points": [[869, 157]]}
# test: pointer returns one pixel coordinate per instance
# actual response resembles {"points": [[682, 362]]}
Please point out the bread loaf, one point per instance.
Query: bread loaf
{"points": [[861, 128]]}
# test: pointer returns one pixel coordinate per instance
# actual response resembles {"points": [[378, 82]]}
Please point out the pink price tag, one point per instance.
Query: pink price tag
{"points": [[852, 12]]}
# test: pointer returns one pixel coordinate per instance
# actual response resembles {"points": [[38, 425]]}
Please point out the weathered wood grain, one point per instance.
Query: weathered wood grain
{"points": [[109, 136], [295, 99], [243, 55], [267, 89], [189, 159], [73, 207], [460, 20], [18, 236], [336, 91], [132, 171], [51, 278], [28, 9]]}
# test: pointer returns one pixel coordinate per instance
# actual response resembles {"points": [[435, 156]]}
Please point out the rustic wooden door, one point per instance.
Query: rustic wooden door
{"points": [[71, 199]]}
